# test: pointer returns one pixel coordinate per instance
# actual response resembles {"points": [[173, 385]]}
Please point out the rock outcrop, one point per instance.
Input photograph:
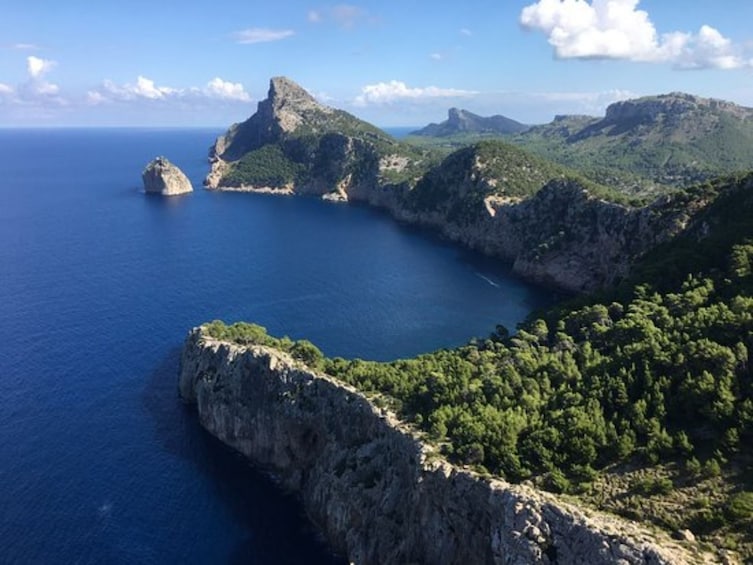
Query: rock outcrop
{"points": [[462, 121], [562, 236], [376, 492], [162, 177]]}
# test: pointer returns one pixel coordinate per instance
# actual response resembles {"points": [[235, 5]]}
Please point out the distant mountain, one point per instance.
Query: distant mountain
{"points": [[462, 121], [670, 139]]}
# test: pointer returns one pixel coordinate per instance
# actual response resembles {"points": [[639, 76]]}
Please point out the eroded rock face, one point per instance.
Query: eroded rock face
{"points": [[562, 236], [377, 493], [162, 177]]}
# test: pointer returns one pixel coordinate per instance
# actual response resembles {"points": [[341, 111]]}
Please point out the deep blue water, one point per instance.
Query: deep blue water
{"points": [[99, 283]]}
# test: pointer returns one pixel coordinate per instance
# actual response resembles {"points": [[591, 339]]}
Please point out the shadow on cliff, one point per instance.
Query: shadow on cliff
{"points": [[277, 530]]}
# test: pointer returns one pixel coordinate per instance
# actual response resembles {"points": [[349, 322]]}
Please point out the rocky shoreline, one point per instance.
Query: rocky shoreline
{"points": [[561, 235], [376, 491]]}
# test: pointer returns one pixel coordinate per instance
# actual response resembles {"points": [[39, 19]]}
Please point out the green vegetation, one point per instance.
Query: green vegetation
{"points": [[244, 333], [638, 399], [652, 145], [656, 375], [460, 183], [266, 166]]}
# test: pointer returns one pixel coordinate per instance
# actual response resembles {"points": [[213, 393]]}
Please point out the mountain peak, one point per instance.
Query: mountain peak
{"points": [[463, 121], [283, 89], [288, 105]]}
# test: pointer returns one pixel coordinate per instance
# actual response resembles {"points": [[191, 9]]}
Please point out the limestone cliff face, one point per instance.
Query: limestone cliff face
{"points": [[562, 235], [375, 491], [331, 146], [162, 177]]}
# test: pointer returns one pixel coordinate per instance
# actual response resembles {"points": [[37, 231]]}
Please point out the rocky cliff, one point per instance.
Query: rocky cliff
{"points": [[490, 196], [293, 142], [563, 235], [377, 493], [162, 177]]}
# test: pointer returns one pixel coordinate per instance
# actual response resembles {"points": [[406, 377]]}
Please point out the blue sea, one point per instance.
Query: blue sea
{"points": [[99, 284]]}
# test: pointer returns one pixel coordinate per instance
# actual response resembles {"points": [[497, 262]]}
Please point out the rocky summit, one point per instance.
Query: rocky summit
{"points": [[462, 121], [162, 177]]}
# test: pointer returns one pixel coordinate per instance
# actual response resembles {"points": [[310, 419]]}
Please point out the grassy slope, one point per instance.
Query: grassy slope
{"points": [[639, 157]]}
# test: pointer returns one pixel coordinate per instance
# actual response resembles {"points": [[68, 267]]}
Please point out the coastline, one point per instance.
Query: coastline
{"points": [[375, 489]]}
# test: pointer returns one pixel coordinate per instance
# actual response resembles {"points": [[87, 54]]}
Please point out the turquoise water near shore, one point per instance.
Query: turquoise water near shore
{"points": [[99, 283]]}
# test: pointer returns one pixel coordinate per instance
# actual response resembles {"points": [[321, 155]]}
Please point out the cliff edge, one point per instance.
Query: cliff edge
{"points": [[375, 490]]}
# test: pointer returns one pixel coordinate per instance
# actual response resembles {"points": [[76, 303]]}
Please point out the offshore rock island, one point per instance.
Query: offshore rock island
{"points": [[162, 177], [636, 399]]}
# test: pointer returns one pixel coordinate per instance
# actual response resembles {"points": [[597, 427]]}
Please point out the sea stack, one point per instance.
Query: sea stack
{"points": [[162, 177]]}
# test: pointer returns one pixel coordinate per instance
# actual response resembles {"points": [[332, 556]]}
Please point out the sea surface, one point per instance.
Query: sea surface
{"points": [[99, 284]]}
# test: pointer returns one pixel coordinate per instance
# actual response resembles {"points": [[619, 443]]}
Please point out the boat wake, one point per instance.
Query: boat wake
{"points": [[490, 281]]}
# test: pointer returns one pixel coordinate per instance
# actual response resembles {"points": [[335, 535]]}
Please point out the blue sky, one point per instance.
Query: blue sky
{"points": [[169, 63]]}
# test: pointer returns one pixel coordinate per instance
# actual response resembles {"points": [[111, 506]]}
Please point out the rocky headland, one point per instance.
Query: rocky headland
{"points": [[376, 491], [552, 226], [160, 176]]}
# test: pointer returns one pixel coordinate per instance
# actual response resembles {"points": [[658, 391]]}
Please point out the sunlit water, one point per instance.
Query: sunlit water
{"points": [[99, 283]]}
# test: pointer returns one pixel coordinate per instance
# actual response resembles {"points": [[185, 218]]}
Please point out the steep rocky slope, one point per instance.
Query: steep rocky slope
{"points": [[293, 142], [373, 488], [550, 224]]}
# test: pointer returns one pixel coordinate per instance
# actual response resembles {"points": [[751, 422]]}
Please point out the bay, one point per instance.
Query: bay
{"points": [[99, 284]]}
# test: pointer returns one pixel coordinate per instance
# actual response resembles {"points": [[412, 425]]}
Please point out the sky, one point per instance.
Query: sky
{"points": [[392, 62]]}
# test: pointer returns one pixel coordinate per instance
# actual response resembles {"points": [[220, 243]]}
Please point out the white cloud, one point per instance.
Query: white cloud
{"points": [[617, 29], [262, 35], [226, 90], [346, 16], [43, 88], [393, 91], [436, 56], [465, 31], [38, 67], [23, 46], [588, 102], [145, 89], [35, 90]]}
